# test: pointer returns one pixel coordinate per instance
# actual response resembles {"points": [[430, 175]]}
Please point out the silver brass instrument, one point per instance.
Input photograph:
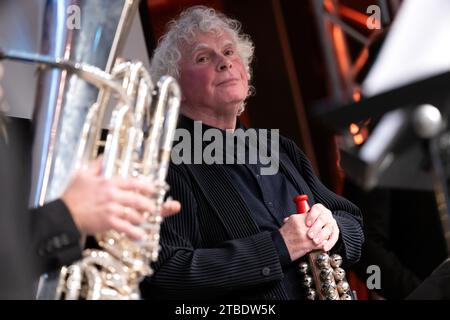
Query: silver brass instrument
{"points": [[131, 150], [78, 81]]}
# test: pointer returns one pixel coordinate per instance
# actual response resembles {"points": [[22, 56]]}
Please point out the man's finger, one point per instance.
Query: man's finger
{"points": [[170, 207], [142, 186], [317, 226], [312, 215], [134, 200], [131, 215], [332, 241], [95, 167], [323, 234], [127, 228]]}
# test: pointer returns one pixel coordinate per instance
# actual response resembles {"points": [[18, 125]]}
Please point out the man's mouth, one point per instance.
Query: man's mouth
{"points": [[228, 82]]}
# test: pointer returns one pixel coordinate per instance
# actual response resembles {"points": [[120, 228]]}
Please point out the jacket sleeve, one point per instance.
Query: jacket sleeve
{"points": [[347, 215], [187, 269], [55, 238]]}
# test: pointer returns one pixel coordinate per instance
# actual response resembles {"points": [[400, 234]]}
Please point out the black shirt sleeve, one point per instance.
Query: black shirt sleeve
{"points": [[55, 237], [283, 252]]}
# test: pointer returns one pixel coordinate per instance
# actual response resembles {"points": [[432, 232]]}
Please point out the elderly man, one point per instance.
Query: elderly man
{"points": [[235, 235]]}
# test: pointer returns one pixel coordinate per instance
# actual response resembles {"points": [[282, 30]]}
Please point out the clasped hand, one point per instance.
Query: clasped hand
{"points": [[315, 230]]}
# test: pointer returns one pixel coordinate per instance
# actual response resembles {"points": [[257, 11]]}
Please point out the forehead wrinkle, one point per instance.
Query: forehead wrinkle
{"points": [[202, 46], [199, 46], [227, 43]]}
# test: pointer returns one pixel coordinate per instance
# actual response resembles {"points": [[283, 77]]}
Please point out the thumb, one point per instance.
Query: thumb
{"points": [[170, 207]]}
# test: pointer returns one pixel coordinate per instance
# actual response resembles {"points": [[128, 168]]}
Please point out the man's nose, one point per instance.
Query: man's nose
{"points": [[224, 64]]}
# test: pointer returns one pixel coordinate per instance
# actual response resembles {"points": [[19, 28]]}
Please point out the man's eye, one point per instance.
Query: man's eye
{"points": [[229, 52], [202, 59]]}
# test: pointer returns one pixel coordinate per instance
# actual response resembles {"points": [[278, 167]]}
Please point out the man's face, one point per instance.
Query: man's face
{"points": [[212, 74]]}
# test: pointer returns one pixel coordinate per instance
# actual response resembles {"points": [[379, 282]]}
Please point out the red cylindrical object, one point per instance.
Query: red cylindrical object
{"points": [[302, 203]]}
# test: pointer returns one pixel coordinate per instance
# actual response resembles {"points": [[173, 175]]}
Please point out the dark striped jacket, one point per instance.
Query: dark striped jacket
{"points": [[213, 247]]}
